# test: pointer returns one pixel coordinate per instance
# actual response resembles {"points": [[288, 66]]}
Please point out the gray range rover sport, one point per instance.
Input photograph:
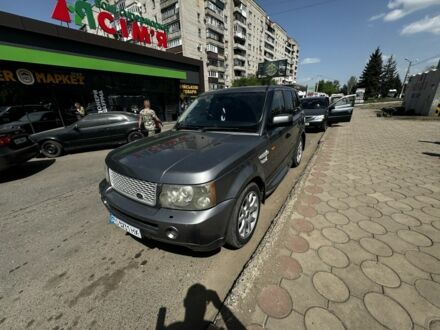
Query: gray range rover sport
{"points": [[201, 184]]}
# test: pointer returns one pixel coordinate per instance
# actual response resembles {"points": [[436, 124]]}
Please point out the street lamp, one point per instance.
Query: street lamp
{"points": [[410, 62]]}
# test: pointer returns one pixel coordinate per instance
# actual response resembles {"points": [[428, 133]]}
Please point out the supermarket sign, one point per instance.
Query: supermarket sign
{"points": [[119, 23]]}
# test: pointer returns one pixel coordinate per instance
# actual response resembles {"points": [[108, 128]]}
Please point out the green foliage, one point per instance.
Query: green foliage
{"points": [[371, 76], [351, 85], [390, 78], [253, 81], [328, 87]]}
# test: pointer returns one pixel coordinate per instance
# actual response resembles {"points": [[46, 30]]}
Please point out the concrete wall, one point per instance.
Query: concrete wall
{"points": [[422, 93]]}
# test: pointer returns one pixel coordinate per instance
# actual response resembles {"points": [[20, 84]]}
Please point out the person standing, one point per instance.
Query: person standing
{"points": [[80, 112], [149, 119]]}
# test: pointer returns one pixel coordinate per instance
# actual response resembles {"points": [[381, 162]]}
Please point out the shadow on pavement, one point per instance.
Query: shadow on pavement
{"points": [[25, 170], [433, 154], [433, 142], [152, 244], [196, 302]]}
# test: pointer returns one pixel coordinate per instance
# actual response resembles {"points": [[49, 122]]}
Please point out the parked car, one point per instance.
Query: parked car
{"points": [[316, 111], [35, 122], [94, 130], [13, 113], [201, 185], [320, 113], [15, 148], [341, 111]]}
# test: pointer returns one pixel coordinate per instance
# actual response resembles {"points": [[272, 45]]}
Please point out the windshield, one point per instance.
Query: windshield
{"points": [[223, 111], [33, 116], [314, 103]]}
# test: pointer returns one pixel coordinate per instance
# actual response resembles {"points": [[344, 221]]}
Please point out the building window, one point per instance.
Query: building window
{"points": [[211, 48], [174, 43], [170, 11]]}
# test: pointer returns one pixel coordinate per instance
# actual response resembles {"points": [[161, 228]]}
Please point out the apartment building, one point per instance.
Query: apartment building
{"points": [[230, 36]]}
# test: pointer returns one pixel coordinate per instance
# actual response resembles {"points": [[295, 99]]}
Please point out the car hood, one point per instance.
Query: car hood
{"points": [[315, 112], [183, 157]]}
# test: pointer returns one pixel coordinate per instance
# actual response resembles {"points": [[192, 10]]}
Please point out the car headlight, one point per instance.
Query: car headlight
{"points": [[318, 118], [107, 176], [200, 197]]}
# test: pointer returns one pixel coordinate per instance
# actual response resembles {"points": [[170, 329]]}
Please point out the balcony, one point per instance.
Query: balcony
{"points": [[241, 10], [167, 3], [239, 46], [239, 57], [240, 35], [214, 13], [171, 18], [215, 42], [216, 28], [174, 35]]}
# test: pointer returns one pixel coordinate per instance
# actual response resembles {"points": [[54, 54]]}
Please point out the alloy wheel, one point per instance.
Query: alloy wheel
{"points": [[248, 214]]}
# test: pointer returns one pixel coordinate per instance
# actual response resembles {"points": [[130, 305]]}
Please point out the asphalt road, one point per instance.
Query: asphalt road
{"points": [[63, 266]]}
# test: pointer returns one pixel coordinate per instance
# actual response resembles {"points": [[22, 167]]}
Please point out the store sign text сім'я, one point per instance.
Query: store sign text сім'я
{"points": [[143, 30]]}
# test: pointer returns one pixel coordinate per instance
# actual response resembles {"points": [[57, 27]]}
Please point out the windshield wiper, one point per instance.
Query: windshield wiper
{"points": [[189, 127], [232, 129]]}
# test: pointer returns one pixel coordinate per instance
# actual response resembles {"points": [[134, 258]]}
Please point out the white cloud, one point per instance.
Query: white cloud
{"points": [[376, 17], [427, 24], [311, 60], [402, 8], [385, 57]]}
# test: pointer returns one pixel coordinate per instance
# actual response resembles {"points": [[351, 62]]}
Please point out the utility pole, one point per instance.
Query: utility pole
{"points": [[406, 77]]}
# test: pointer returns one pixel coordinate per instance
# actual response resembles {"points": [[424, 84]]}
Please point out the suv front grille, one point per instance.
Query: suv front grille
{"points": [[141, 191]]}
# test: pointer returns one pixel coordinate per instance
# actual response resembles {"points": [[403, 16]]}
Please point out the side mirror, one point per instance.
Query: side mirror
{"points": [[282, 120]]}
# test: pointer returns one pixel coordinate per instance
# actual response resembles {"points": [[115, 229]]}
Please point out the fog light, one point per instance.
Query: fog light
{"points": [[172, 233]]}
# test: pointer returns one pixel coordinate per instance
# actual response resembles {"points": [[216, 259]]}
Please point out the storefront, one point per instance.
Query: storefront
{"points": [[42, 63]]}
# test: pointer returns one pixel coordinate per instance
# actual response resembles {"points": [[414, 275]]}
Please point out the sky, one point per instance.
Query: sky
{"points": [[336, 37]]}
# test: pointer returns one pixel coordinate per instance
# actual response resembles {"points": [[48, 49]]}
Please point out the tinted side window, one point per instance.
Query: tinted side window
{"points": [[278, 107], [288, 98]]}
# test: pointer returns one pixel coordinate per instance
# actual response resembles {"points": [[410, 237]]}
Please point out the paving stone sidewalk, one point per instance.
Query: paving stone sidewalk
{"points": [[361, 249]]}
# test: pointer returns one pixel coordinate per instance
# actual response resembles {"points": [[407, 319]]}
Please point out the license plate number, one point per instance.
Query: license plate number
{"points": [[20, 140], [125, 226]]}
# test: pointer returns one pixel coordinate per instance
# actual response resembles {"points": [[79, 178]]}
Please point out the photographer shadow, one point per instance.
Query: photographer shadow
{"points": [[196, 303]]}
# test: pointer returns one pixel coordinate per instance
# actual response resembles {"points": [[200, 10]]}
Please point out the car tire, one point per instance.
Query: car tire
{"points": [[51, 149], [244, 217], [324, 126], [297, 155], [136, 135]]}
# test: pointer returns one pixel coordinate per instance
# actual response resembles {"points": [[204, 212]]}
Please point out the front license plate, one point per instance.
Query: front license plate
{"points": [[20, 140], [125, 226], [307, 124]]}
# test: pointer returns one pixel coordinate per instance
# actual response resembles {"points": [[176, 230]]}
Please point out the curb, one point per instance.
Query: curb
{"points": [[251, 269]]}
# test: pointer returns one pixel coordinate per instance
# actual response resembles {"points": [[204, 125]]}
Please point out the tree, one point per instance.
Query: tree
{"points": [[344, 89], [390, 78], [253, 81], [328, 87], [371, 76], [351, 85]]}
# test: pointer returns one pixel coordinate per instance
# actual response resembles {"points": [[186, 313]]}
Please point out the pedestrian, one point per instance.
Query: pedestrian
{"points": [[80, 112], [148, 117]]}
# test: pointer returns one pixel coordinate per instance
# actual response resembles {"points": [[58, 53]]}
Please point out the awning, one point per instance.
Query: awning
{"points": [[37, 56]]}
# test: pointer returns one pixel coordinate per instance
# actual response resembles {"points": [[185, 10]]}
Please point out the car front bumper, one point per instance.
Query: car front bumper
{"points": [[198, 230], [10, 157]]}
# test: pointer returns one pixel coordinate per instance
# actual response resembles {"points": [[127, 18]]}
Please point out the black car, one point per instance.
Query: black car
{"points": [[15, 148], [13, 113], [36, 122], [94, 130], [202, 184], [320, 113], [316, 110]]}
